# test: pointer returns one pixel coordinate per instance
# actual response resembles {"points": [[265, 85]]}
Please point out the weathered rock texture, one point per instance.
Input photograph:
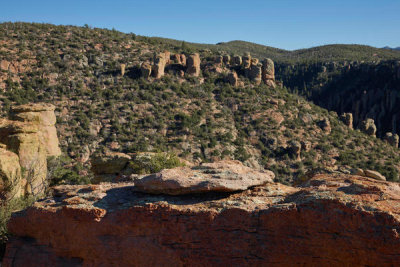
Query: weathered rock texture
{"points": [[232, 78], [347, 119], [193, 65], [328, 221], [268, 72], [392, 139], [42, 115], [145, 69], [31, 137], [223, 176], [368, 126], [160, 60]]}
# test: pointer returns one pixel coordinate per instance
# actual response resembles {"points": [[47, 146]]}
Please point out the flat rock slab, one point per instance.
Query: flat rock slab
{"points": [[222, 176]]}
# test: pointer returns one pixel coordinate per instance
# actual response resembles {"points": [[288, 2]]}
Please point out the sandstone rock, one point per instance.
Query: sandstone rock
{"points": [[10, 174], [357, 171], [109, 163], [145, 69], [368, 127], [223, 176], [375, 175], [331, 220], [254, 73], [123, 66], [268, 72], [183, 59], [160, 61], [306, 145], [347, 119], [193, 65], [392, 139], [254, 61], [233, 78], [295, 149], [42, 115], [237, 60], [219, 60], [246, 61], [227, 59], [167, 55], [325, 125]]}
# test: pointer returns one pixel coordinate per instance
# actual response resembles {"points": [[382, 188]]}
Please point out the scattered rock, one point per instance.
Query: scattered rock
{"points": [[347, 119], [123, 66], [295, 149], [368, 126], [109, 163], [375, 175], [223, 176], [232, 78], [306, 145], [325, 125], [145, 69], [392, 139]]}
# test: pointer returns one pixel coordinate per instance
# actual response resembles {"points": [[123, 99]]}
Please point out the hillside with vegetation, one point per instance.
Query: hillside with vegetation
{"points": [[200, 119]]}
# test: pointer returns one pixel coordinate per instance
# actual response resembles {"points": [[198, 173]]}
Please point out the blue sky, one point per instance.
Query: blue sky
{"points": [[287, 24]]}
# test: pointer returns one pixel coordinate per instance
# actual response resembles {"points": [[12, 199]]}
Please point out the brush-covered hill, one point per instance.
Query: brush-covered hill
{"points": [[203, 118]]}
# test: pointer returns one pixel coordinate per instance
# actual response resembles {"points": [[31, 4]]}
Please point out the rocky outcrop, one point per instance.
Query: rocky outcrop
{"points": [[32, 137], [232, 78], [254, 74], [42, 115], [122, 66], [227, 59], [347, 119], [160, 61], [392, 139], [368, 126], [236, 60], [193, 65], [223, 176], [325, 125], [327, 221], [295, 149], [246, 61], [106, 166], [10, 174], [145, 70], [268, 72]]}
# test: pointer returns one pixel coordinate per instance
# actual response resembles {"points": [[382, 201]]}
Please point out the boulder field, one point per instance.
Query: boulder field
{"points": [[330, 220]]}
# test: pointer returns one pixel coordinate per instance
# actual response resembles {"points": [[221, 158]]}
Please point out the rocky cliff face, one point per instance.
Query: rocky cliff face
{"points": [[328, 221], [27, 140]]}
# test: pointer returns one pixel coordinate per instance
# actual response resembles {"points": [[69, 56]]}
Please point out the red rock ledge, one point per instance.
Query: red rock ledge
{"points": [[329, 221]]}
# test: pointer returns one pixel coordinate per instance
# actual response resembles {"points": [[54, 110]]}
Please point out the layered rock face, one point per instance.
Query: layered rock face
{"points": [[42, 115], [31, 137], [328, 221]]}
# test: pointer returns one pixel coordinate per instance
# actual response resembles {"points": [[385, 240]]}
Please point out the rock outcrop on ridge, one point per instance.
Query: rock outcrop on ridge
{"points": [[330, 220], [30, 136]]}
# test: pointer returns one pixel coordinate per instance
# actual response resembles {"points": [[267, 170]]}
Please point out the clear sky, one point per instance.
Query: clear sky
{"points": [[287, 24]]}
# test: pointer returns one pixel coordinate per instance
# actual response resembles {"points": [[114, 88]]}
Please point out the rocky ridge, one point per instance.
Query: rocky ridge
{"points": [[330, 220]]}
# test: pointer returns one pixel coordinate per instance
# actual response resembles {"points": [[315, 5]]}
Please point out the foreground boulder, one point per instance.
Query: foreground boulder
{"points": [[328, 221], [223, 176]]}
